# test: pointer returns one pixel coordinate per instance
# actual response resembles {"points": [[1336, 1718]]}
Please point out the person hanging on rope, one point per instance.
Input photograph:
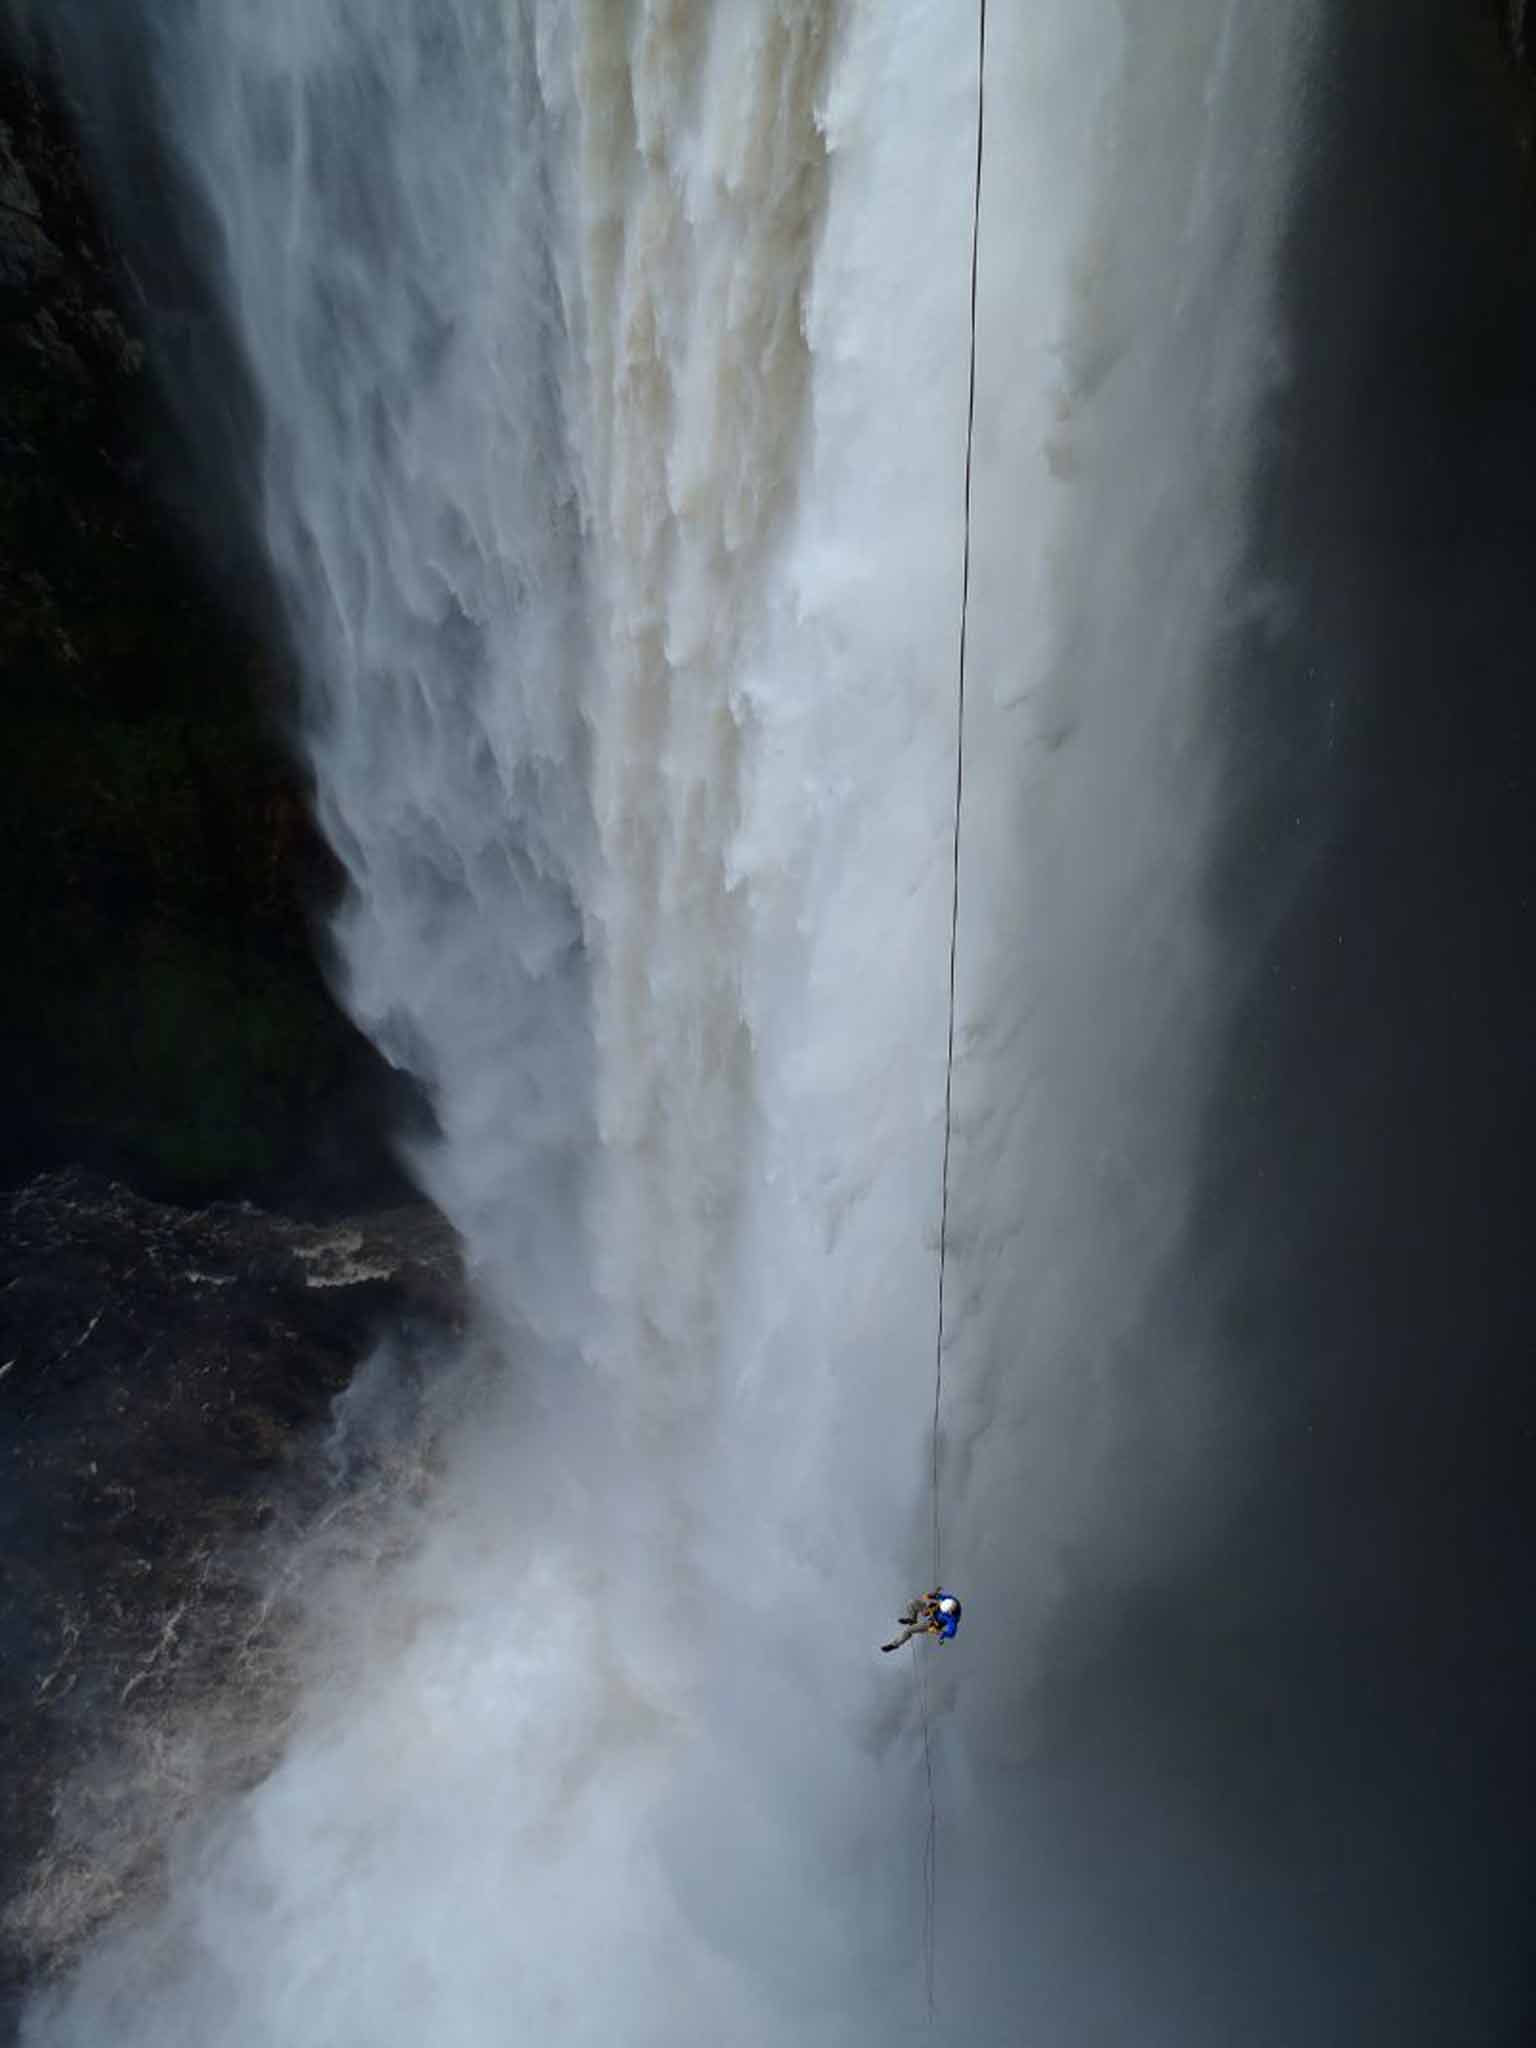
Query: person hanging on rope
{"points": [[935, 1614]]}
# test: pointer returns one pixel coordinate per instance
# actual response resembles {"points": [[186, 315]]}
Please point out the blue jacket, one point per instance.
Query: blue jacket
{"points": [[947, 1623]]}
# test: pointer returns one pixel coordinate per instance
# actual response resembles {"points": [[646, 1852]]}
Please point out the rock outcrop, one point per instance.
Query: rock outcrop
{"points": [[166, 1380], [164, 1017]]}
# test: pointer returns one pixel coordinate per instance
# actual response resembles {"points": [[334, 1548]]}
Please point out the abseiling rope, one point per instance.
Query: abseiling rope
{"points": [[954, 902], [931, 1841], [931, 1846]]}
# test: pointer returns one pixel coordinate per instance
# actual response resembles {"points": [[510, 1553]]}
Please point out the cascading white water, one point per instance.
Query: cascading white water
{"points": [[613, 360]]}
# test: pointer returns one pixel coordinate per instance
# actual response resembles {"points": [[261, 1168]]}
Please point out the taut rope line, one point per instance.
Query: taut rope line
{"points": [[954, 903], [931, 1845], [931, 1840]]}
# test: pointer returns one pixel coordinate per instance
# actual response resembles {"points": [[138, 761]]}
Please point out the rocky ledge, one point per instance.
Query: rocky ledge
{"points": [[165, 1379]]}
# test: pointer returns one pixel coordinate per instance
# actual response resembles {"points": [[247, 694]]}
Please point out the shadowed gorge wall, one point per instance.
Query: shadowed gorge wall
{"points": [[164, 1014]]}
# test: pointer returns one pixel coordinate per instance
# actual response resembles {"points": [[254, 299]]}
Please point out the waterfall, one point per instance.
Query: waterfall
{"points": [[611, 361]]}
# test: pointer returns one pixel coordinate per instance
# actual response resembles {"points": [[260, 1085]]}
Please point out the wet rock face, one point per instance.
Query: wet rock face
{"points": [[167, 1373], [163, 1017], [166, 1378]]}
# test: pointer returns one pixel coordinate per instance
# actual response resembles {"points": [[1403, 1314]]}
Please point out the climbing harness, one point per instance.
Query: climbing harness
{"points": [[931, 1845]]}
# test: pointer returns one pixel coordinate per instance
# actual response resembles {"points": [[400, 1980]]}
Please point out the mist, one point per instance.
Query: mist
{"points": [[608, 378]]}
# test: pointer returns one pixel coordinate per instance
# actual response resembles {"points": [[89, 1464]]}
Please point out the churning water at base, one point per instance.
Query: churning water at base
{"points": [[612, 361]]}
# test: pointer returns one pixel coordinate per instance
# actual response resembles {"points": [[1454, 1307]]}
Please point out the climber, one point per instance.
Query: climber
{"points": [[936, 1614]]}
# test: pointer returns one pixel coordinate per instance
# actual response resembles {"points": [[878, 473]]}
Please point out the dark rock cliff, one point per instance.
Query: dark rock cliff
{"points": [[167, 1373], [165, 1381], [164, 1016]]}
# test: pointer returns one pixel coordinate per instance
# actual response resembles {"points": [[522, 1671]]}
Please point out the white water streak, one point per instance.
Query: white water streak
{"points": [[613, 367]]}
